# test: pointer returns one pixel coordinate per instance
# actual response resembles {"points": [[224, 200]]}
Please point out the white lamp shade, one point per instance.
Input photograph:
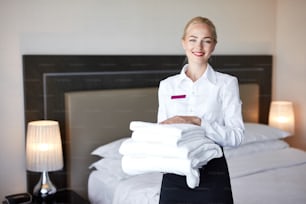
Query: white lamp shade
{"points": [[44, 146], [282, 115]]}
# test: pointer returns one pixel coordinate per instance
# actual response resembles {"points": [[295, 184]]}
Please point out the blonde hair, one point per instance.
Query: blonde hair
{"points": [[200, 19]]}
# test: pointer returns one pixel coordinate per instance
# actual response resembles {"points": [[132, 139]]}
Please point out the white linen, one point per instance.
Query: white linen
{"points": [[197, 149], [158, 148], [141, 189], [142, 165], [256, 132], [255, 147], [272, 177], [277, 176], [278, 186], [111, 166], [109, 150], [257, 136], [171, 129], [265, 161], [167, 139], [172, 134], [101, 187]]}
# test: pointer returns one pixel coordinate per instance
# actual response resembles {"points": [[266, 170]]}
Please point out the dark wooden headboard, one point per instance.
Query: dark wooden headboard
{"points": [[48, 77]]}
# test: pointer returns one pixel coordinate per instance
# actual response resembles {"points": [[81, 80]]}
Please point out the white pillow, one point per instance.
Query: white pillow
{"points": [[255, 132], [110, 150], [254, 147], [111, 167]]}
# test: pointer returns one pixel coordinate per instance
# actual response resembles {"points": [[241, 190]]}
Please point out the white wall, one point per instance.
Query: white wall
{"points": [[118, 27]]}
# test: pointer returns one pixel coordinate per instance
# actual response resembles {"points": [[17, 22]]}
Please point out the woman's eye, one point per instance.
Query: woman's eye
{"points": [[207, 41]]}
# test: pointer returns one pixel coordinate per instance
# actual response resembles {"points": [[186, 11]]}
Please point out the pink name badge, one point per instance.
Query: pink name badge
{"points": [[178, 96]]}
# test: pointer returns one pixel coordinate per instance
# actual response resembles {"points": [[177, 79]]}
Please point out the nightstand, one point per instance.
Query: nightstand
{"points": [[62, 197]]}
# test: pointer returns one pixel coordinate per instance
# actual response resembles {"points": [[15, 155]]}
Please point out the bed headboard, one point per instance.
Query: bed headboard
{"points": [[95, 118], [49, 79]]}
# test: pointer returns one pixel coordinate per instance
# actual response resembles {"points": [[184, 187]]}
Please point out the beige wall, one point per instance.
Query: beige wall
{"points": [[290, 63], [136, 27]]}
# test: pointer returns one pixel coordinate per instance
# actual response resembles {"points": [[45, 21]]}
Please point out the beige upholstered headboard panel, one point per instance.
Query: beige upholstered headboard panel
{"points": [[94, 118], [98, 117], [249, 94]]}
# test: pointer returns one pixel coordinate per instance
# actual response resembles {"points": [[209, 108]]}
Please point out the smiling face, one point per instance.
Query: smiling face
{"points": [[199, 42]]}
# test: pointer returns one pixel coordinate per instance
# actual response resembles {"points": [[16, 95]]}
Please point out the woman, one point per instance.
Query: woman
{"points": [[201, 96]]}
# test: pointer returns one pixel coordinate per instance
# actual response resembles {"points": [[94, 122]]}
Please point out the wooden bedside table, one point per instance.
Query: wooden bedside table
{"points": [[65, 196]]}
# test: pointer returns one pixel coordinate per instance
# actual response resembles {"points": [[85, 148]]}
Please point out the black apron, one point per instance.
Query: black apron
{"points": [[214, 187]]}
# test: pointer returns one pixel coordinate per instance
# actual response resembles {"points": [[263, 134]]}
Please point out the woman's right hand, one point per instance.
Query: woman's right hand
{"points": [[183, 119]]}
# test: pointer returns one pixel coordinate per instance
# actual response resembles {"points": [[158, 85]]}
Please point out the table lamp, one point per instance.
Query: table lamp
{"points": [[44, 153], [282, 115]]}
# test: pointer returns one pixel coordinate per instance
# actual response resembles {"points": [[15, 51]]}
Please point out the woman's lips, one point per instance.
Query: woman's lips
{"points": [[199, 54]]}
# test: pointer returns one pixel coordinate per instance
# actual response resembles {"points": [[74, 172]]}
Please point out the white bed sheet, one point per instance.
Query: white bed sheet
{"points": [[277, 176], [101, 187], [279, 186], [271, 177]]}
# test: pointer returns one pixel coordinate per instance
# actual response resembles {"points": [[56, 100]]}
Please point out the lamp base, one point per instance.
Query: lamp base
{"points": [[44, 187]]}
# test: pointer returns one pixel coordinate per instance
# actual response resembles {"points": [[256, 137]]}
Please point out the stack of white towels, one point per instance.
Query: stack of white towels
{"points": [[175, 148]]}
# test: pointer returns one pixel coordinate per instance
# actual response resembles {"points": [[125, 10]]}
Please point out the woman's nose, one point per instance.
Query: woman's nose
{"points": [[199, 45]]}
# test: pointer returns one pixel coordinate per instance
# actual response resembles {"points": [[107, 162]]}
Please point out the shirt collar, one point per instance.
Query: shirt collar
{"points": [[209, 74]]}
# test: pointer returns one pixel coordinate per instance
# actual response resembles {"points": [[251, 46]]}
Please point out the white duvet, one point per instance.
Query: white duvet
{"points": [[277, 176]]}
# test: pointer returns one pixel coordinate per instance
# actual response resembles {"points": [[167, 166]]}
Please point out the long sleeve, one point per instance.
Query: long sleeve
{"points": [[214, 98], [230, 131]]}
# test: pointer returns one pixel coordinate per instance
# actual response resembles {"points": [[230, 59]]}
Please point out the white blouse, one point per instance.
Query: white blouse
{"points": [[214, 98]]}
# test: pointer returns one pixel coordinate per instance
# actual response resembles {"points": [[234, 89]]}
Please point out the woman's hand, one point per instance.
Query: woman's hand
{"points": [[183, 119]]}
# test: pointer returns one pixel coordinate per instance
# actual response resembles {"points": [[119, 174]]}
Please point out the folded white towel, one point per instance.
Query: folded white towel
{"points": [[170, 129], [140, 165], [201, 150], [177, 148], [147, 135], [206, 153], [172, 134]]}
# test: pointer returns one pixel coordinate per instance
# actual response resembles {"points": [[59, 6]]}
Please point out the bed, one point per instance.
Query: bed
{"points": [[94, 98]]}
